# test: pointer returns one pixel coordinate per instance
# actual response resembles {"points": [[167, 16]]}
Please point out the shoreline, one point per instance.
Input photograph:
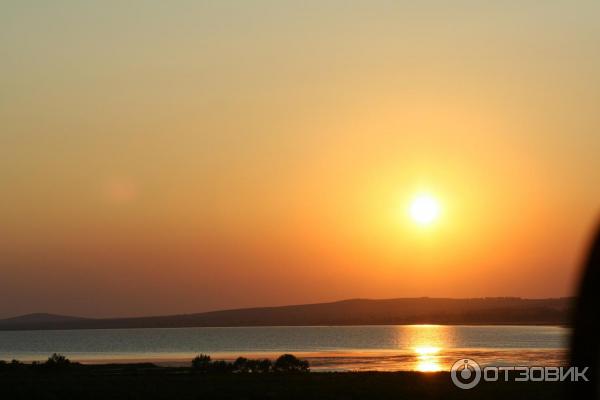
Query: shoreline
{"points": [[549, 324], [364, 360]]}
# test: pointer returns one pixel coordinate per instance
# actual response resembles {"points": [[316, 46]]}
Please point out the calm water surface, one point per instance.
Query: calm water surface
{"points": [[399, 347]]}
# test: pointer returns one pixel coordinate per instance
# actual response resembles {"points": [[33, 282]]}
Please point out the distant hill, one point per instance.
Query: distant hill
{"points": [[424, 310], [38, 319]]}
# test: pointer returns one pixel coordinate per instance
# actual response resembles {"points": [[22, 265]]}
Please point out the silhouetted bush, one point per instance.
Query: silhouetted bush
{"points": [[264, 366], [56, 361], [201, 363], [220, 367], [243, 365], [240, 364], [285, 363], [290, 363]]}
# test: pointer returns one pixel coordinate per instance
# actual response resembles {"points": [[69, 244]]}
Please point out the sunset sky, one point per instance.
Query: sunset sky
{"points": [[169, 157]]}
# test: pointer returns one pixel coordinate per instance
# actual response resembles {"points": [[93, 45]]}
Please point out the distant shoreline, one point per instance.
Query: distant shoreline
{"points": [[5, 329]]}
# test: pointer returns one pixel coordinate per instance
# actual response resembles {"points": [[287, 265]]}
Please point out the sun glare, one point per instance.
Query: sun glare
{"points": [[426, 350], [424, 209], [427, 359]]}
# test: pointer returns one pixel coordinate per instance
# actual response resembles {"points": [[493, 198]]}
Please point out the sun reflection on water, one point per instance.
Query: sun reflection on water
{"points": [[428, 342], [427, 359], [428, 366]]}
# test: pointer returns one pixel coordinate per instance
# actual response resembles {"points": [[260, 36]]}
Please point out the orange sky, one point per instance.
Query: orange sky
{"points": [[173, 158]]}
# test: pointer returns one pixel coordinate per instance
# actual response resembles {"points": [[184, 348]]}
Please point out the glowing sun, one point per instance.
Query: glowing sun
{"points": [[424, 209]]}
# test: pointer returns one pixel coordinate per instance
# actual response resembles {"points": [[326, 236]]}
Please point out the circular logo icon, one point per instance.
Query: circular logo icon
{"points": [[465, 373]]}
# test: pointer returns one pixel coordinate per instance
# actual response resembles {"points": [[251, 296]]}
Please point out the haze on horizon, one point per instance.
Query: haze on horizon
{"points": [[160, 158]]}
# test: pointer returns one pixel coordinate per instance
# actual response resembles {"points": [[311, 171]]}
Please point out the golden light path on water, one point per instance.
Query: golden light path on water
{"points": [[428, 341], [424, 348], [427, 359]]}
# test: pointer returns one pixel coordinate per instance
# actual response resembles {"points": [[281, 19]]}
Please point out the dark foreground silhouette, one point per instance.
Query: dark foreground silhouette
{"points": [[201, 364], [585, 340], [146, 381], [286, 378]]}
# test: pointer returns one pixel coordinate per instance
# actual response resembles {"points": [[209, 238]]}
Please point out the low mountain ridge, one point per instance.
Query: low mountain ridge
{"points": [[423, 310]]}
